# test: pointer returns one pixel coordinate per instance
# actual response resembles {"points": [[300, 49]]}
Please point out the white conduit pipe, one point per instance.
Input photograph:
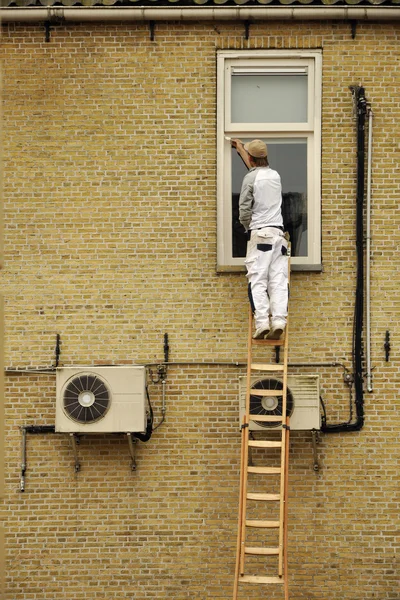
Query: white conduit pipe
{"points": [[368, 251], [220, 13]]}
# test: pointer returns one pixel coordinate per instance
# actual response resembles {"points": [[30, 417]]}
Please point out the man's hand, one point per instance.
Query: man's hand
{"points": [[236, 143]]}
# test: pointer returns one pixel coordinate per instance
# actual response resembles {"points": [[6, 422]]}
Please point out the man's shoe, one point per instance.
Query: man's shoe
{"points": [[276, 331], [261, 332]]}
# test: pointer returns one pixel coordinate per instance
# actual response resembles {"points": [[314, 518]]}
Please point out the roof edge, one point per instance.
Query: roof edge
{"points": [[195, 13]]}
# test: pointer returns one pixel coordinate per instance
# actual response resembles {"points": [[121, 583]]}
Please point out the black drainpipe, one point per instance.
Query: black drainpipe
{"points": [[361, 107]]}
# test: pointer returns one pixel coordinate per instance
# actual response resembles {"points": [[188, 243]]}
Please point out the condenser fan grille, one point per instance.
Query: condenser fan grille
{"points": [[270, 405], [86, 398]]}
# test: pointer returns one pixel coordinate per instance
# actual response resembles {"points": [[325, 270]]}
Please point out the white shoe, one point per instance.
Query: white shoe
{"points": [[276, 331], [261, 332]]}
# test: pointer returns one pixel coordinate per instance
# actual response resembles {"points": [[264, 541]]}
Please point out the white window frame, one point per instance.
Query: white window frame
{"points": [[268, 61]]}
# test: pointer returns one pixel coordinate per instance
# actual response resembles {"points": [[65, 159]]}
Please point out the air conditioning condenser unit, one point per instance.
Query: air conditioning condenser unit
{"points": [[101, 399], [303, 402]]}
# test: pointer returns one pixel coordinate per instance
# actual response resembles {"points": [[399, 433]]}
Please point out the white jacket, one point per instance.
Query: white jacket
{"points": [[260, 202]]}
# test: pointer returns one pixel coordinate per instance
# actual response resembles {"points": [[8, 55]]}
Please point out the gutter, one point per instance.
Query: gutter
{"points": [[220, 13]]}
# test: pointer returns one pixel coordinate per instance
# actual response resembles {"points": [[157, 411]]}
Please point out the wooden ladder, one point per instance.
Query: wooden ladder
{"points": [[275, 478]]}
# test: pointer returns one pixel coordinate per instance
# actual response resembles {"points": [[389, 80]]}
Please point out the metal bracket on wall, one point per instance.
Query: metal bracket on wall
{"points": [[277, 354], [75, 442], [246, 30], [152, 27], [47, 30], [55, 17], [315, 441], [353, 25], [132, 447], [23, 460], [386, 345]]}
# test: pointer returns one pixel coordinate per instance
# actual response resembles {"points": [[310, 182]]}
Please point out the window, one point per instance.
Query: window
{"points": [[274, 96]]}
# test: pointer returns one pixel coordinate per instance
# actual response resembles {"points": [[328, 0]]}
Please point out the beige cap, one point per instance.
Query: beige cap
{"points": [[256, 148]]}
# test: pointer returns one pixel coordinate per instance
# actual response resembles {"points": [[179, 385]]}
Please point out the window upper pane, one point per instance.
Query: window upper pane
{"points": [[269, 97]]}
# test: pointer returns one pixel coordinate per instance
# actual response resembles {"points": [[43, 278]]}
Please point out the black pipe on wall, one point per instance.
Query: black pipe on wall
{"points": [[361, 108]]}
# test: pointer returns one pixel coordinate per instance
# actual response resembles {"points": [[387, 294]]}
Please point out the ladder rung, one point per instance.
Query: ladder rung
{"points": [[264, 497], [256, 392], [267, 470], [262, 524], [262, 551], [257, 579], [269, 342], [267, 418], [263, 367], [264, 444]]}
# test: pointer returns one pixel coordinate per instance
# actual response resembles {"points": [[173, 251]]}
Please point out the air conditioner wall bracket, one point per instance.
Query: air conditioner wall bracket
{"points": [[315, 440], [74, 443], [132, 450]]}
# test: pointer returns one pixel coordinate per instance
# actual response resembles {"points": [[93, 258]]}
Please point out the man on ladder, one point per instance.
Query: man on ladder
{"points": [[260, 213]]}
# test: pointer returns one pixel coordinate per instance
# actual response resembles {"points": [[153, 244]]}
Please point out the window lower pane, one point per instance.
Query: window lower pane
{"points": [[289, 157]]}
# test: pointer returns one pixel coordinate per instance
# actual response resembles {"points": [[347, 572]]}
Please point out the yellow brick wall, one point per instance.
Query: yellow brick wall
{"points": [[110, 241]]}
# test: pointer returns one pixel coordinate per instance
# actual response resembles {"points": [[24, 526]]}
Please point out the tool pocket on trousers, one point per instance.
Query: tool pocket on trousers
{"points": [[284, 248], [264, 247]]}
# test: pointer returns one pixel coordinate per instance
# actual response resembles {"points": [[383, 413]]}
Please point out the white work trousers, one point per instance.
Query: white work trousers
{"points": [[267, 273]]}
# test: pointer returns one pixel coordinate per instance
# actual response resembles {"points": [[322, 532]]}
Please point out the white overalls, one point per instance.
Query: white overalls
{"points": [[266, 259]]}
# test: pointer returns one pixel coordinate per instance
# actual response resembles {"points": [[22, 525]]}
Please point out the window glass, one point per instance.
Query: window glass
{"points": [[288, 156], [269, 98]]}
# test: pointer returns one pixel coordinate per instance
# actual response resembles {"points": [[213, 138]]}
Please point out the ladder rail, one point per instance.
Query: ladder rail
{"points": [[240, 518], [244, 503], [285, 530], [283, 457], [245, 441]]}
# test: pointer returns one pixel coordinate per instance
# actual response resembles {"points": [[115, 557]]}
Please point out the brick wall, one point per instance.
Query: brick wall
{"points": [[110, 241]]}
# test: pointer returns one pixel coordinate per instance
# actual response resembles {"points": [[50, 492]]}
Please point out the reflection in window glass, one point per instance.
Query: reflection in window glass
{"points": [[289, 158], [269, 98]]}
